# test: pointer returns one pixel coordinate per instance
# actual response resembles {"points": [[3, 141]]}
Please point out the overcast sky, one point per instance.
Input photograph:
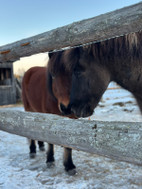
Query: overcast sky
{"points": [[24, 18]]}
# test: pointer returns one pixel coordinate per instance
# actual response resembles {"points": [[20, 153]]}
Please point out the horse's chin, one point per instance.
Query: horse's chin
{"points": [[80, 111]]}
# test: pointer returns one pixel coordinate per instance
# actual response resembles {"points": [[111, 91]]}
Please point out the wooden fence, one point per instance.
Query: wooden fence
{"points": [[110, 25], [118, 140]]}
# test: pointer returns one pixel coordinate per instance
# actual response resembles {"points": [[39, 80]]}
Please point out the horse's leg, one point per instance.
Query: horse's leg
{"points": [[67, 161], [41, 145], [32, 149], [50, 155]]}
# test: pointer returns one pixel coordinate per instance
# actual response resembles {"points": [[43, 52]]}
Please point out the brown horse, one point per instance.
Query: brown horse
{"points": [[91, 68], [36, 98]]}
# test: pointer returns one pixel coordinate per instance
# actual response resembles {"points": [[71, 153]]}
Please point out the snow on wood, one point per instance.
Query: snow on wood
{"points": [[116, 140], [109, 25]]}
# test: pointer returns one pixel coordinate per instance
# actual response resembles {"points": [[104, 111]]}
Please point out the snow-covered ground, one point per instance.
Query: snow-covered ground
{"points": [[18, 171]]}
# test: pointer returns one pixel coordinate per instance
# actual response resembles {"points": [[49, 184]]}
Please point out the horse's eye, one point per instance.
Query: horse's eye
{"points": [[77, 73], [53, 76]]}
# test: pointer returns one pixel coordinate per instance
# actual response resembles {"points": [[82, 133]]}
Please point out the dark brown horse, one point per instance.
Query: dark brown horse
{"points": [[36, 98], [91, 68]]}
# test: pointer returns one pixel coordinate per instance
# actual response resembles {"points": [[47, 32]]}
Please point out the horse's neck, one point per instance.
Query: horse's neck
{"points": [[127, 72]]}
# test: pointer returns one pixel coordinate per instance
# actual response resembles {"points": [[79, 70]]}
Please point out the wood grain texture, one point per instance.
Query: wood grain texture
{"points": [[109, 25], [116, 140]]}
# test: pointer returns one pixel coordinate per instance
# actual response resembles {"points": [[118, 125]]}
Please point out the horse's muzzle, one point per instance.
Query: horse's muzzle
{"points": [[83, 110]]}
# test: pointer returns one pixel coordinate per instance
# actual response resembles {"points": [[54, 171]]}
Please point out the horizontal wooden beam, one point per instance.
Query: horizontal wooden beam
{"points": [[116, 140], [109, 25]]}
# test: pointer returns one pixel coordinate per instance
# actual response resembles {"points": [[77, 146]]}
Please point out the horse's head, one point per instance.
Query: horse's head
{"points": [[87, 78], [59, 82]]}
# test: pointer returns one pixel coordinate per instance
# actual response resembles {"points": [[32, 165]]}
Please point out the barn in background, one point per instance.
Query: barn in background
{"points": [[7, 84]]}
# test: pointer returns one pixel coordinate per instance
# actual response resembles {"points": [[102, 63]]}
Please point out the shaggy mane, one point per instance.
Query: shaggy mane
{"points": [[120, 46]]}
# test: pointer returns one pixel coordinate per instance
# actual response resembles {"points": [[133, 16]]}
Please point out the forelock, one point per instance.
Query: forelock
{"points": [[70, 58], [63, 61], [55, 64]]}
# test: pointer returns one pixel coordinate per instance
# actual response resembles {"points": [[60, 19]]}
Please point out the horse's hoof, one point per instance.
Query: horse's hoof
{"points": [[72, 172], [42, 148], [32, 155], [50, 164]]}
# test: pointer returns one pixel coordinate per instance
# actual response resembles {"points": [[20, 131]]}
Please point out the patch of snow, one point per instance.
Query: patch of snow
{"points": [[18, 171]]}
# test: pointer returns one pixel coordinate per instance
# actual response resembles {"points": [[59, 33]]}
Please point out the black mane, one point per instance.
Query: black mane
{"points": [[110, 49]]}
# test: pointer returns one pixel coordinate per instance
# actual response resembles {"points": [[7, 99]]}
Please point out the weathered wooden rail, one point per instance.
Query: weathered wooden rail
{"points": [[116, 140], [109, 25]]}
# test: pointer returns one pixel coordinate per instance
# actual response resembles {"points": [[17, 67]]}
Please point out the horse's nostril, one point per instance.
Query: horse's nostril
{"points": [[62, 108], [65, 110]]}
